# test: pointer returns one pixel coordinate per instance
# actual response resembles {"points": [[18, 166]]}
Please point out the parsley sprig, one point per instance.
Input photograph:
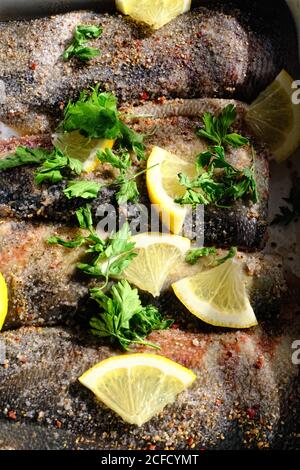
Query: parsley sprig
{"points": [[108, 258], [121, 160], [56, 167], [24, 156], [217, 181], [83, 189], [195, 254], [290, 212], [79, 47], [216, 128], [123, 318], [95, 115]]}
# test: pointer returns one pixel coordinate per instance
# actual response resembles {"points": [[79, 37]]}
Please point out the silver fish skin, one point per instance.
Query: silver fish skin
{"points": [[223, 49]]}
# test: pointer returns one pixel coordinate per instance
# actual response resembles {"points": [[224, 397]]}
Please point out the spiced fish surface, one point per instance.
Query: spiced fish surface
{"points": [[223, 49], [45, 288], [172, 126], [246, 394]]}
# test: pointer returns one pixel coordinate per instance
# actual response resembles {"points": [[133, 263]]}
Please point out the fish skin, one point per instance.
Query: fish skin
{"points": [[171, 126], [223, 49], [20, 436], [42, 281], [246, 387], [46, 289]]}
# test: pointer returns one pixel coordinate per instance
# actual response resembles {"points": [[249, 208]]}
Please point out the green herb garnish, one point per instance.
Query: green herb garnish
{"points": [[85, 218], [24, 156], [95, 115], [216, 128], [128, 191], [83, 189], [65, 243], [123, 318], [231, 254], [56, 167], [194, 255], [121, 160], [79, 47], [289, 214], [218, 182], [108, 258]]}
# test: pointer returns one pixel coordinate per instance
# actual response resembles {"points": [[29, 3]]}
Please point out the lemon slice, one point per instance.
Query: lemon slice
{"points": [[275, 119], [158, 254], [137, 386], [163, 186], [155, 13], [77, 146], [3, 300], [218, 296]]}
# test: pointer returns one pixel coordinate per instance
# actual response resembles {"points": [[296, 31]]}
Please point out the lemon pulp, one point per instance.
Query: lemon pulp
{"points": [[137, 386]]}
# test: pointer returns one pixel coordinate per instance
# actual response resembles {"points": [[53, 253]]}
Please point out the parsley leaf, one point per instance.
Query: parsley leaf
{"points": [[231, 254], [193, 255], [84, 217], [121, 160], [216, 128], [132, 141], [123, 318], [83, 189], [67, 244], [241, 183], [289, 214], [218, 182], [87, 31], [222, 189], [109, 257], [78, 47], [95, 115], [147, 320], [128, 190], [24, 156], [53, 166]]}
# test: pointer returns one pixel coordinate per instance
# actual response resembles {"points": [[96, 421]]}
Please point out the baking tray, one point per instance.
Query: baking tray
{"points": [[284, 241]]}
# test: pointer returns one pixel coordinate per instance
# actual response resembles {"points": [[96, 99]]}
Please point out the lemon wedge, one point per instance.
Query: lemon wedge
{"points": [[155, 13], [163, 186], [158, 254], [218, 296], [137, 386], [3, 300], [275, 119], [77, 146]]}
